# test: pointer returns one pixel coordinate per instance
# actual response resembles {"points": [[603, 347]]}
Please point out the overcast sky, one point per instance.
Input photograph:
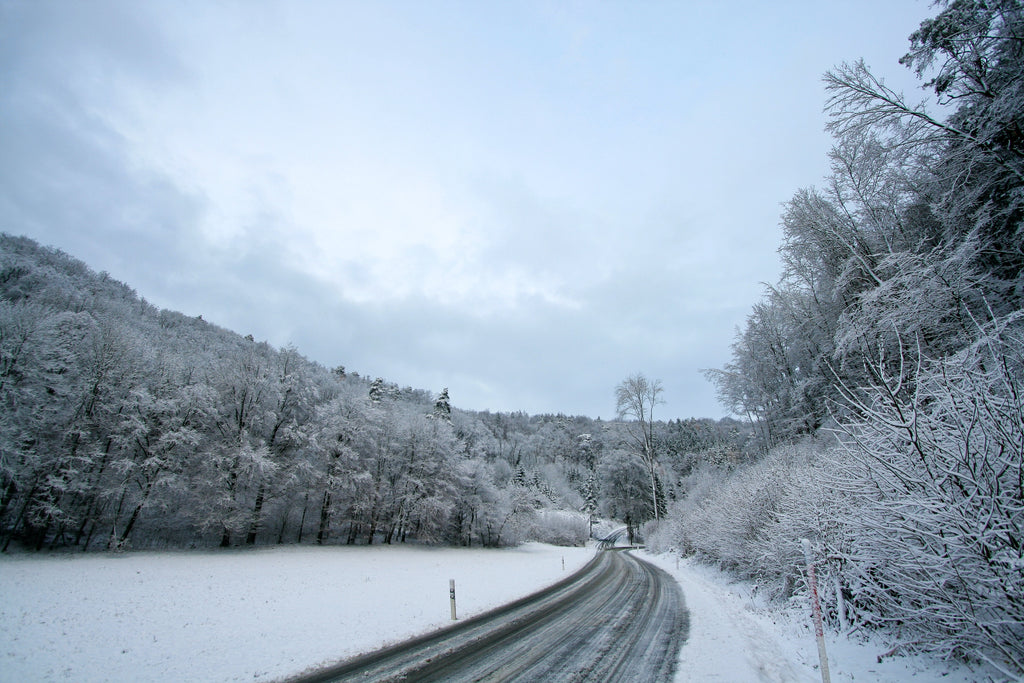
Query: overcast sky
{"points": [[525, 202]]}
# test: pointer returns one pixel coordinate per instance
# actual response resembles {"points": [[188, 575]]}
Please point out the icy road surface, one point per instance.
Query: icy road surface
{"points": [[618, 619]]}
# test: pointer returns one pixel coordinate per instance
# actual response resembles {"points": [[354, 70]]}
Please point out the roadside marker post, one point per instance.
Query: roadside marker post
{"points": [[451, 590], [819, 631]]}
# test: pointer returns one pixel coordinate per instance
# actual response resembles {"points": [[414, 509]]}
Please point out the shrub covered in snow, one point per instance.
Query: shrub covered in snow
{"points": [[751, 520], [559, 527], [935, 478], [916, 513]]}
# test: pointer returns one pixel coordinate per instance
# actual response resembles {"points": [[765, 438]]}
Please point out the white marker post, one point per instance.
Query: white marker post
{"points": [[819, 631], [451, 589]]}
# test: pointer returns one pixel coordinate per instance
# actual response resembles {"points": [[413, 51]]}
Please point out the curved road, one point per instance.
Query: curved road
{"points": [[617, 619]]}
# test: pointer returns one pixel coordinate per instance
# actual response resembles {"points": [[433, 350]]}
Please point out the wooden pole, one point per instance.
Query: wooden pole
{"points": [[819, 630]]}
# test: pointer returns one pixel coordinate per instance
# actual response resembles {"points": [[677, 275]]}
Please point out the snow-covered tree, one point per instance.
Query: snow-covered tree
{"points": [[625, 489], [635, 399], [443, 406]]}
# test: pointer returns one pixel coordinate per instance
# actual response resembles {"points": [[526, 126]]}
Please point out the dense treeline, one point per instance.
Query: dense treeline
{"points": [[892, 351], [124, 425]]}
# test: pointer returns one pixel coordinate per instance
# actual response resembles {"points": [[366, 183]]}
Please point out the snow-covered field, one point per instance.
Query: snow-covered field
{"points": [[261, 615], [253, 615]]}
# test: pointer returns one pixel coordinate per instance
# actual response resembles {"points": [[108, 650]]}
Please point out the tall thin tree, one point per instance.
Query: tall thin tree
{"points": [[635, 397]]}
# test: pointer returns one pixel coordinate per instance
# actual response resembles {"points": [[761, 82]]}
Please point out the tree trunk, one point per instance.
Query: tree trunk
{"points": [[9, 490], [81, 527], [284, 523], [40, 535], [129, 525], [254, 522], [325, 518], [654, 491], [21, 515], [225, 540], [138, 509], [302, 519], [88, 537]]}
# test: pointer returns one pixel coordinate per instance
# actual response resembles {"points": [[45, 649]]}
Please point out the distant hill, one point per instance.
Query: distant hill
{"points": [[127, 425]]}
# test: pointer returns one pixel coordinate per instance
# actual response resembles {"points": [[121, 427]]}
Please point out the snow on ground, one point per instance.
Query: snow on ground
{"points": [[253, 615], [260, 615], [736, 636]]}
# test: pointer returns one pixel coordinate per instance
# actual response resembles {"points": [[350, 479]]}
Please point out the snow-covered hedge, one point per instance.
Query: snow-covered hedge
{"points": [[935, 478], [559, 527], [751, 520], [916, 512]]}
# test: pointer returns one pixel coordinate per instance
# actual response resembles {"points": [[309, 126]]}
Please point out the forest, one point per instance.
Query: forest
{"points": [[880, 381], [128, 426], [884, 371]]}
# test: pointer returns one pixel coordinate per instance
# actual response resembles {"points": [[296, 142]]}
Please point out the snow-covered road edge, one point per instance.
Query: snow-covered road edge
{"points": [[727, 642], [738, 635]]}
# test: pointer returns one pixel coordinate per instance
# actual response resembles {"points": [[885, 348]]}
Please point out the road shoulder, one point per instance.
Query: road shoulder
{"points": [[727, 640]]}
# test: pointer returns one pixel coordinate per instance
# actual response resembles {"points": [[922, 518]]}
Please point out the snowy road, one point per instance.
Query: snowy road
{"points": [[617, 619]]}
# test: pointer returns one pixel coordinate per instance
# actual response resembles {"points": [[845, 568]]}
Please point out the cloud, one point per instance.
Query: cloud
{"points": [[525, 203], [64, 163]]}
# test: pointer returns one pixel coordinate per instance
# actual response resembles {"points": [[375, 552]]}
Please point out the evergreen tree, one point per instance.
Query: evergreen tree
{"points": [[442, 406], [377, 390]]}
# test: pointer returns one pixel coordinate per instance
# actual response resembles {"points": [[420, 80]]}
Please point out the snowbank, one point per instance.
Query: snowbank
{"points": [[251, 615], [736, 636]]}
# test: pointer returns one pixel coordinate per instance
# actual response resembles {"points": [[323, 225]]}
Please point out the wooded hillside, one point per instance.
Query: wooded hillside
{"points": [[125, 425]]}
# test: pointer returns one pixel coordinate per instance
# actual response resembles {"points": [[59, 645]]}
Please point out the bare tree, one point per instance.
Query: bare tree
{"points": [[635, 397]]}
